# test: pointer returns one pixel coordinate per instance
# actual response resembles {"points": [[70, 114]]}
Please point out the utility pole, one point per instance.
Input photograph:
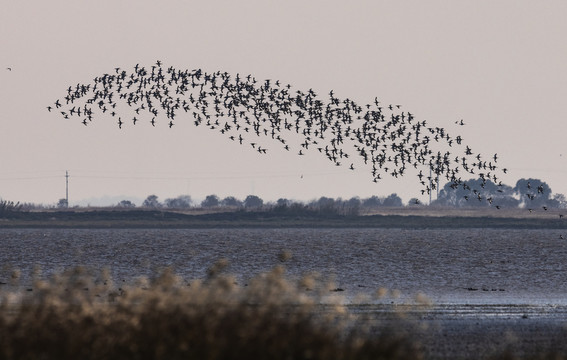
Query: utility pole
{"points": [[66, 188], [430, 182]]}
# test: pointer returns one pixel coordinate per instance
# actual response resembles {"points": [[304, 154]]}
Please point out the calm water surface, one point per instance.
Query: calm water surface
{"points": [[466, 266]]}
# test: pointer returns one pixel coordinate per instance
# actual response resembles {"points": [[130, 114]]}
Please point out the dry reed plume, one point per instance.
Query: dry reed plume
{"points": [[76, 315]]}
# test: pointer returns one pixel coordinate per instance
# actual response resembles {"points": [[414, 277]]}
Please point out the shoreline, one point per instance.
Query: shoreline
{"points": [[461, 331], [409, 218]]}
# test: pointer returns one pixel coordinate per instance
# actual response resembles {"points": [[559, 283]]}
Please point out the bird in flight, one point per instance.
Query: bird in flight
{"points": [[385, 140]]}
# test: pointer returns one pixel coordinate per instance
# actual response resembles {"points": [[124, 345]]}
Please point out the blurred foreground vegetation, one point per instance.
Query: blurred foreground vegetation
{"points": [[77, 315], [81, 314]]}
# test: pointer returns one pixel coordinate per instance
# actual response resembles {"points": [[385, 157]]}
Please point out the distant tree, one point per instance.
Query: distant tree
{"points": [[180, 202], [210, 201], [62, 204], [393, 200], [231, 201], [298, 208], [283, 202], [9, 207], [499, 195], [372, 202], [352, 206], [451, 195], [561, 200], [281, 205], [30, 206], [506, 201], [253, 201], [414, 202], [354, 201], [325, 206], [325, 202], [126, 204], [152, 202], [533, 193], [476, 193]]}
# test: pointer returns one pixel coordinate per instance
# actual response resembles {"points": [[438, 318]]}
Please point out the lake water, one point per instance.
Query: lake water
{"points": [[464, 266]]}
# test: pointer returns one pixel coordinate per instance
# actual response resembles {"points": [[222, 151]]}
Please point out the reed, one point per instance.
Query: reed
{"points": [[82, 315]]}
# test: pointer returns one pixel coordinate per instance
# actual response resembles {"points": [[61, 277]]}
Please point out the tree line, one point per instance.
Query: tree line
{"points": [[526, 193], [323, 205]]}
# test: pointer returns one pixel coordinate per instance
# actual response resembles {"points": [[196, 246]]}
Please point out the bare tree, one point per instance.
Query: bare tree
{"points": [[9, 207]]}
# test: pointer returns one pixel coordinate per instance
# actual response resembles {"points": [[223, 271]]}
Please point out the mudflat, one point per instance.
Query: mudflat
{"points": [[475, 331]]}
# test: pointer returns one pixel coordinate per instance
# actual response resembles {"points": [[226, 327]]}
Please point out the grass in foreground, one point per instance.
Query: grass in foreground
{"points": [[79, 316]]}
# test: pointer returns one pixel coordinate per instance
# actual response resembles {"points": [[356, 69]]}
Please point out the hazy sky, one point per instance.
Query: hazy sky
{"points": [[498, 65]]}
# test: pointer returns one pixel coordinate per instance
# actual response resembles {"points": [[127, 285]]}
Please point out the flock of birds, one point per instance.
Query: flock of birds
{"points": [[385, 139]]}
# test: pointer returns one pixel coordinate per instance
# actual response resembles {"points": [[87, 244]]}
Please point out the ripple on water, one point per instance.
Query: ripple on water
{"points": [[449, 266]]}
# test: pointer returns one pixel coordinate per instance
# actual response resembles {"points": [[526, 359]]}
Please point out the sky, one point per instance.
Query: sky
{"points": [[498, 65]]}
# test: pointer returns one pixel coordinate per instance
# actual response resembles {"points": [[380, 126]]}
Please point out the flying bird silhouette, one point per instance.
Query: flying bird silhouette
{"points": [[386, 139]]}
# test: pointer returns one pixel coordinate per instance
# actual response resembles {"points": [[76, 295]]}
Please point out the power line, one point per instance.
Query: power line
{"points": [[29, 177]]}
